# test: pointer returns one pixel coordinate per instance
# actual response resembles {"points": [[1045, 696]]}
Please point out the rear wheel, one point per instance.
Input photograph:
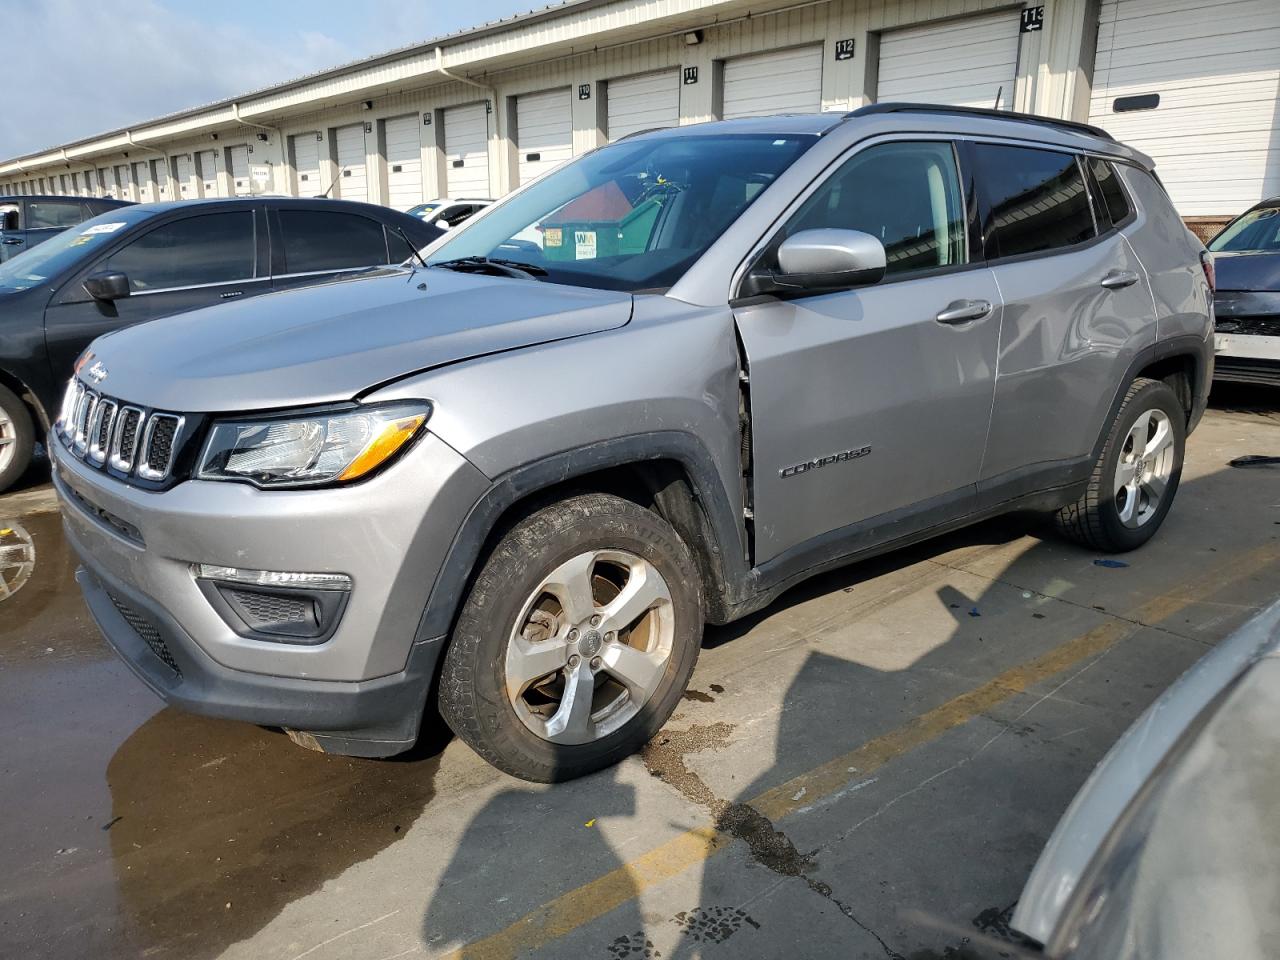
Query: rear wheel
{"points": [[576, 641], [1135, 480], [17, 438]]}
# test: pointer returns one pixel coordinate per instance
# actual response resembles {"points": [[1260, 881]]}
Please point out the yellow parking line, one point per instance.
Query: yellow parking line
{"points": [[580, 906]]}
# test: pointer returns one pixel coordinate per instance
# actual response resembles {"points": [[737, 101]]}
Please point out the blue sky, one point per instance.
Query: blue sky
{"points": [[80, 67]]}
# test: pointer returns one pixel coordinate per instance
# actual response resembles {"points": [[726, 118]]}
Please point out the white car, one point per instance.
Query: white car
{"points": [[448, 213]]}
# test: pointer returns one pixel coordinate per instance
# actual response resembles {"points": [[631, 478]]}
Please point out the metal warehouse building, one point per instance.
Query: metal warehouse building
{"points": [[1195, 83]]}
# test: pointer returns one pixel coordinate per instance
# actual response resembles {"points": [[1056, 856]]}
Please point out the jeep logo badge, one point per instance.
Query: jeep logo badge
{"points": [[97, 373]]}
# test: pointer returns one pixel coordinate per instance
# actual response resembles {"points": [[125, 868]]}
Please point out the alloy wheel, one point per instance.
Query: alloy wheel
{"points": [[590, 646], [1144, 467]]}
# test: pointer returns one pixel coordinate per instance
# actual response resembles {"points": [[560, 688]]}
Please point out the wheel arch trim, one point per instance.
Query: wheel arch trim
{"points": [[518, 485]]}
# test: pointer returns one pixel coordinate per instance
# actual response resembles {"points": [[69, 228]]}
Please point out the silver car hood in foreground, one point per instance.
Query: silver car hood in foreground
{"points": [[334, 341], [1126, 769]]}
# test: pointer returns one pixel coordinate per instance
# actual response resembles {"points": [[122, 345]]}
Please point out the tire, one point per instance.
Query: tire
{"points": [[531, 608], [17, 438], [1120, 510]]}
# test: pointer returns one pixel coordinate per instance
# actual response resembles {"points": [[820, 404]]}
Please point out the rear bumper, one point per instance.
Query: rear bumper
{"points": [[364, 718]]}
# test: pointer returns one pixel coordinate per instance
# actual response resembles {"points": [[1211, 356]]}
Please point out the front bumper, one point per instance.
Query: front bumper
{"points": [[1247, 358], [359, 691]]}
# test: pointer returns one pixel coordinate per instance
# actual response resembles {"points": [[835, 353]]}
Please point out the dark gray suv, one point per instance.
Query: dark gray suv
{"points": [[653, 388]]}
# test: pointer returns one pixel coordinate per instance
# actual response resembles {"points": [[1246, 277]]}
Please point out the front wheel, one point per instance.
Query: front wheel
{"points": [[576, 640], [1135, 480], [17, 438]]}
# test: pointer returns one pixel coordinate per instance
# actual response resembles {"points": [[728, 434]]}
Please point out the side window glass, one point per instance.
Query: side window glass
{"points": [[1110, 190], [316, 240], [51, 213], [907, 195], [1037, 200], [215, 248]]}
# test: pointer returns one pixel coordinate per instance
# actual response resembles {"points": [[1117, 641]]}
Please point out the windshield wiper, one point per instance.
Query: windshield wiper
{"points": [[503, 268]]}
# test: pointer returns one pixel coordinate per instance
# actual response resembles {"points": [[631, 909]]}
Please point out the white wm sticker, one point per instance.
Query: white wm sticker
{"points": [[584, 244]]}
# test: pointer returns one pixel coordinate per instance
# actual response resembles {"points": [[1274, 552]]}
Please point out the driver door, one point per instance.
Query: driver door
{"points": [[179, 265], [870, 406]]}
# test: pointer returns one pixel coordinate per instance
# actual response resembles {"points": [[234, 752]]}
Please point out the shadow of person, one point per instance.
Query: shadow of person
{"points": [[218, 825], [966, 842], [519, 852]]}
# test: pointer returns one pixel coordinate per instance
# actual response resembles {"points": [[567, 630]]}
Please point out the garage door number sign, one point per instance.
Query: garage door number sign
{"points": [[1032, 20]]}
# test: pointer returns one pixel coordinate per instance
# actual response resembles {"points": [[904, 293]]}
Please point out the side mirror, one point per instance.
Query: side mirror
{"points": [[815, 261], [108, 285], [10, 220]]}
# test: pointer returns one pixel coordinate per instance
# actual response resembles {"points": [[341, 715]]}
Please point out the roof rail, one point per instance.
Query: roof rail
{"points": [[1072, 125]]}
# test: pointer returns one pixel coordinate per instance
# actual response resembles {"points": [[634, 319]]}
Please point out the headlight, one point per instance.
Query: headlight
{"points": [[306, 450]]}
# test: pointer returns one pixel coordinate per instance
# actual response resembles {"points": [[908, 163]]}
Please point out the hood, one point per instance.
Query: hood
{"points": [[334, 341], [1248, 271]]}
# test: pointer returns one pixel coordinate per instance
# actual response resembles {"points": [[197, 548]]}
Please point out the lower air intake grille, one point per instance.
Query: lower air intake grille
{"points": [[147, 631], [264, 610]]}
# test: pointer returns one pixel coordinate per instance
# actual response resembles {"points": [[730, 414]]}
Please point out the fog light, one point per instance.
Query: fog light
{"points": [[273, 578], [275, 606]]}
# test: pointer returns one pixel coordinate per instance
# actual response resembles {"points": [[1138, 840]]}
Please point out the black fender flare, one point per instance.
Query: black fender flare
{"points": [[725, 528]]}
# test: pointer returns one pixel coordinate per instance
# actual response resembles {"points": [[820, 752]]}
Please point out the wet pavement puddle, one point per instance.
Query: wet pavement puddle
{"points": [[129, 828]]}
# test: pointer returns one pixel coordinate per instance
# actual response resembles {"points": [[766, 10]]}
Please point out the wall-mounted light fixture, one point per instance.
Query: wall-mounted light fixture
{"points": [[367, 104], [262, 138], [693, 37]]}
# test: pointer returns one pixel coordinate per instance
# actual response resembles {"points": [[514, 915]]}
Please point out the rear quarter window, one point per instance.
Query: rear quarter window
{"points": [[316, 240], [1035, 200]]}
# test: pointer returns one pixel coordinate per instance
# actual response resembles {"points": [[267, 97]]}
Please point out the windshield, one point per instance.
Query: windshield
{"points": [[1257, 230], [632, 216], [64, 250], [424, 210]]}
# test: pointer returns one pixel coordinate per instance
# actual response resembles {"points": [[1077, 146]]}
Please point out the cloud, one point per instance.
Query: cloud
{"points": [[91, 67]]}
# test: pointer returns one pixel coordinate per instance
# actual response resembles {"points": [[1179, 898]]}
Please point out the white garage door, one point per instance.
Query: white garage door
{"points": [[466, 148], [642, 103], [1216, 69], [353, 184], [241, 184], [404, 162], [207, 167], [787, 81], [161, 187], [306, 164], [124, 182], [143, 180], [544, 131], [184, 171], [963, 63]]}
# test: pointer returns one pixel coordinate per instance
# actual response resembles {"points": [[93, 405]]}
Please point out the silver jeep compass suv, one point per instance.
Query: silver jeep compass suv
{"points": [[652, 389]]}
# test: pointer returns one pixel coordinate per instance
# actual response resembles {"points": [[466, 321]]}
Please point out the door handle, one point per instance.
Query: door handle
{"points": [[12, 240], [962, 311], [1119, 279]]}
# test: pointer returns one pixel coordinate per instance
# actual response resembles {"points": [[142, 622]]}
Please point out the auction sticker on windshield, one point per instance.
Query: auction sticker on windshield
{"points": [[585, 244], [103, 228]]}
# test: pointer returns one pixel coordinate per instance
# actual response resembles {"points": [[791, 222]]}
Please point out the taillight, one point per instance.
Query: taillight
{"points": [[1206, 261]]}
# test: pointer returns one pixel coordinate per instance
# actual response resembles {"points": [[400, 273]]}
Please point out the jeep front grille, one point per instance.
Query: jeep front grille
{"points": [[104, 431]]}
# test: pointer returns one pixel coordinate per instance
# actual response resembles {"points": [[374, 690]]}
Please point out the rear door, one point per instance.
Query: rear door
{"points": [[185, 262], [310, 245], [868, 412], [14, 241], [1077, 311]]}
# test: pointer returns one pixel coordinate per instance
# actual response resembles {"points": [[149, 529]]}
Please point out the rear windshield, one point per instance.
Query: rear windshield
{"points": [[1256, 231], [632, 216]]}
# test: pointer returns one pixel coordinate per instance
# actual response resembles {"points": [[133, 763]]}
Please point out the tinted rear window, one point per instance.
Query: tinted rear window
{"points": [[316, 240], [1036, 198], [1110, 191]]}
